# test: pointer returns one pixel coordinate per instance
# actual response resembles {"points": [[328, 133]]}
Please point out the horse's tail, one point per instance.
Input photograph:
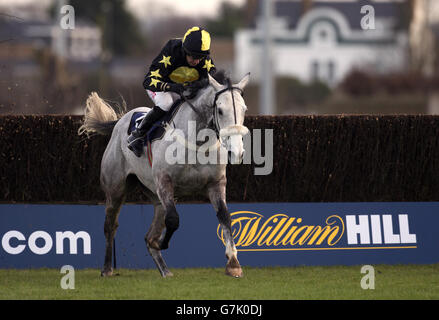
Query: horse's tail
{"points": [[99, 116]]}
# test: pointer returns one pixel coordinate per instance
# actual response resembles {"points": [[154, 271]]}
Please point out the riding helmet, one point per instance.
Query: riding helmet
{"points": [[196, 42]]}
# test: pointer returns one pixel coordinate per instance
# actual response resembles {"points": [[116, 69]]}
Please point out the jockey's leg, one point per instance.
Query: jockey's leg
{"points": [[163, 102], [137, 137]]}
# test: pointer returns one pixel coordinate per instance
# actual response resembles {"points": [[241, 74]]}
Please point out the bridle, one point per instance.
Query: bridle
{"points": [[214, 123], [216, 126]]}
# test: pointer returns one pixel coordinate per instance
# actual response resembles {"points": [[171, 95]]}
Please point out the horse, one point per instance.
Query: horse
{"points": [[218, 106]]}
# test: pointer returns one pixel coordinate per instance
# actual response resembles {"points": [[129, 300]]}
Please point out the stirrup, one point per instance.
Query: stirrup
{"points": [[136, 145], [133, 137], [136, 138]]}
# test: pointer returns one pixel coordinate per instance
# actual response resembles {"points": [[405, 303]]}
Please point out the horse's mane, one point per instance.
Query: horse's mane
{"points": [[221, 77]]}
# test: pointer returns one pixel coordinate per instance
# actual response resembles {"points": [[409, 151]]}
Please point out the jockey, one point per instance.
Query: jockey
{"points": [[182, 64]]}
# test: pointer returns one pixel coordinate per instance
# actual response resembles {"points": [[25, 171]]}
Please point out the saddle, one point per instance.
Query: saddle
{"points": [[157, 130]]}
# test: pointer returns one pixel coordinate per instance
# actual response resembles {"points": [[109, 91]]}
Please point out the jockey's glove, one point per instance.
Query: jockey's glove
{"points": [[175, 87], [195, 86]]}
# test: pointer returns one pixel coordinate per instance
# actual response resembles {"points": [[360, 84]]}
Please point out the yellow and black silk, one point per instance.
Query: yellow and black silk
{"points": [[171, 66], [196, 42]]}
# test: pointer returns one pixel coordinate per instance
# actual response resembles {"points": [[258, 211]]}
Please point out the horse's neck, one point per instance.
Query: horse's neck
{"points": [[186, 114]]}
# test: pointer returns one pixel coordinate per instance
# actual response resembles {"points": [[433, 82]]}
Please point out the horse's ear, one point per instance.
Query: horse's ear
{"points": [[244, 81], [214, 83]]}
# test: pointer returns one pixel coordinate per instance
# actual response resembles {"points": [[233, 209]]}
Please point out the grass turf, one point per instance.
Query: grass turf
{"points": [[335, 282]]}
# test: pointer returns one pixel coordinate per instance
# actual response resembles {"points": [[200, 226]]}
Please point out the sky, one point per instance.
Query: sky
{"points": [[144, 8], [205, 8]]}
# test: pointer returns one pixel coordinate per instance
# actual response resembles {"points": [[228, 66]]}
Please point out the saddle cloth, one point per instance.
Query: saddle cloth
{"points": [[157, 131]]}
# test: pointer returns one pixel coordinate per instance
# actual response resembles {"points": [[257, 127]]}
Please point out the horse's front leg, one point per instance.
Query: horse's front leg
{"points": [[165, 191], [217, 196]]}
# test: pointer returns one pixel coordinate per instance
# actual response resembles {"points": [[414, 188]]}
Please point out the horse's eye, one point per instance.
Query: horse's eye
{"points": [[220, 111]]}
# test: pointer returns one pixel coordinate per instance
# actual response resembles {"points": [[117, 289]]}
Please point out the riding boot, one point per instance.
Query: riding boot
{"points": [[137, 137]]}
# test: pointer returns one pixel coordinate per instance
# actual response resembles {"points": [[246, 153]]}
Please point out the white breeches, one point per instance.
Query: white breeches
{"points": [[163, 100]]}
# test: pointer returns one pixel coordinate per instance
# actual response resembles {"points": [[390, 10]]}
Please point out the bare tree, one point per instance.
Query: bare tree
{"points": [[306, 5], [421, 37]]}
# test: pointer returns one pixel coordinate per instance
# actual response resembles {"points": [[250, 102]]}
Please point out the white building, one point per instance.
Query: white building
{"points": [[326, 42], [83, 43]]}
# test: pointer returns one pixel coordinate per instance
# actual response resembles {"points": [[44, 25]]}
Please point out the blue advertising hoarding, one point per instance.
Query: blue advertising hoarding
{"points": [[266, 234]]}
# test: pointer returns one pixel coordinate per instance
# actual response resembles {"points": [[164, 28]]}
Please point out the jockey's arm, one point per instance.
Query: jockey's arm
{"points": [[158, 71]]}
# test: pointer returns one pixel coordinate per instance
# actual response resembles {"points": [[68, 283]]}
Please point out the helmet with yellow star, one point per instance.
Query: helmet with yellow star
{"points": [[196, 42]]}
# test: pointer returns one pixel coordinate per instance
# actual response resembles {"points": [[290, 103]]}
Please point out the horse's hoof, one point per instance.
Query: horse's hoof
{"points": [[107, 273], [234, 272], [233, 268], [167, 274]]}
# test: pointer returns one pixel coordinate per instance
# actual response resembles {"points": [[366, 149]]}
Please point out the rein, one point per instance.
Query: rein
{"points": [[190, 104], [216, 126]]}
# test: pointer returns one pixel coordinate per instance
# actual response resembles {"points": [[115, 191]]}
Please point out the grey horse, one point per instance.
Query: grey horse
{"points": [[217, 106]]}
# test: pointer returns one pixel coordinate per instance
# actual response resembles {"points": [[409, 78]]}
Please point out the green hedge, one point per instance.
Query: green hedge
{"points": [[316, 158]]}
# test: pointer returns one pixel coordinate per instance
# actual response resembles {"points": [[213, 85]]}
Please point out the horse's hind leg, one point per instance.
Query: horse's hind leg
{"points": [[112, 209], [154, 237]]}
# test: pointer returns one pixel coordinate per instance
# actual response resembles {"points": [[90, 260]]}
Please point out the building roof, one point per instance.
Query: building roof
{"points": [[16, 30], [26, 31], [292, 10]]}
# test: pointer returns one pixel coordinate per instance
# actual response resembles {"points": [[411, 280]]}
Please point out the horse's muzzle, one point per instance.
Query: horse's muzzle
{"points": [[235, 160], [232, 139]]}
